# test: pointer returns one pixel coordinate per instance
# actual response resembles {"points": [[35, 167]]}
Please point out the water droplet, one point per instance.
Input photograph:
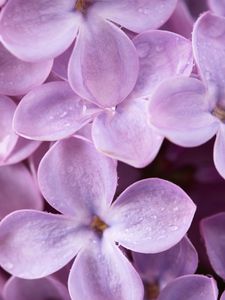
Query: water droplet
{"points": [[9, 266], [159, 48], [175, 208], [173, 227], [143, 49]]}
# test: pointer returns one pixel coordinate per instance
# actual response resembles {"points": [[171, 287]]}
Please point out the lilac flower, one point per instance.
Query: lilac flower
{"points": [[190, 287], [157, 270], [150, 216], [122, 132], [188, 111], [13, 149], [39, 289], [217, 6]]}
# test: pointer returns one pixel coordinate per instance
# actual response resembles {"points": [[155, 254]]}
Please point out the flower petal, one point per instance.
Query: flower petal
{"points": [[180, 109], [103, 67], [8, 138], [150, 216], [50, 112], [125, 134], [223, 296], [213, 232], [217, 6], [162, 54], [194, 287], [137, 16], [28, 27], [36, 289], [102, 272], [35, 244], [18, 77], [164, 267], [218, 151], [209, 49], [18, 189], [76, 179]]}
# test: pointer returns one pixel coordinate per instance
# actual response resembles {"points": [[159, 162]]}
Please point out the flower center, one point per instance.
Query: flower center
{"points": [[152, 291], [98, 225], [80, 5], [219, 113]]}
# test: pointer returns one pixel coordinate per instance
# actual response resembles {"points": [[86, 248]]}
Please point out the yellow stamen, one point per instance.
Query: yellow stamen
{"points": [[152, 291], [80, 5], [98, 225], [219, 113]]}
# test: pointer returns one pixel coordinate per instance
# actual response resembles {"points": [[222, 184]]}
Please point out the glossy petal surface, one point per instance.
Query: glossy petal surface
{"points": [[209, 49], [28, 27], [35, 244], [56, 111], [212, 229], [163, 267], [76, 179], [18, 77], [38, 289], [150, 216], [162, 54], [103, 67], [194, 287], [137, 15], [18, 189], [125, 134], [102, 272], [181, 110]]}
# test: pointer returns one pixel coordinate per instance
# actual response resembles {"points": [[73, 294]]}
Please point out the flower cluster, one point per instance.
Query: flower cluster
{"points": [[101, 105]]}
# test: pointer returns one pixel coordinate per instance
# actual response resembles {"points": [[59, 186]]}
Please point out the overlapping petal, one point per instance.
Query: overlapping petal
{"points": [[150, 216], [137, 15], [180, 109], [18, 189], [102, 272], [223, 296], [163, 267], [8, 138], [192, 287], [218, 151], [35, 244], [103, 67], [212, 229], [50, 112], [209, 49], [162, 54], [28, 27], [76, 179], [217, 6], [38, 289], [18, 77], [125, 134]]}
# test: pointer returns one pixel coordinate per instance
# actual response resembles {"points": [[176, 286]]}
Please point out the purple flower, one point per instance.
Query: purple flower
{"points": [[122, 132], [150, 216], [187, 111], [157, 270]]}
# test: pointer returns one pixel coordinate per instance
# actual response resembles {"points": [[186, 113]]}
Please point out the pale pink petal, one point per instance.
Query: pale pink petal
{"points": [[37, 289], [76, 179], [150, 216], [102, 272], [35, 244], [8, 138], [104, 65], [217, 6], [192, 287], [219, 151], [165, 266], [18, 189], [180, 109], [137, 15], [213, 232], [50, 112], [36, 30], [18, 77], [125, 134], [162, 54], [209, 49], [60, 65], [22, 150]]}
